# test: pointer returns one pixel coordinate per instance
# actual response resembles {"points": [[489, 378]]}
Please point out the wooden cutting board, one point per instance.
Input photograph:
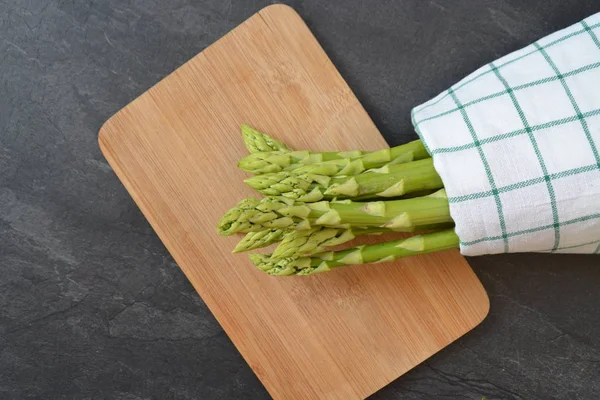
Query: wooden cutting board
{"points": [[340, 335]]}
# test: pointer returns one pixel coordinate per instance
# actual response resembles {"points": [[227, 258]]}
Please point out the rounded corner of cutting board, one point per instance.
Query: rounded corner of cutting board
{"points": [[479, 296], [281, 9], [485, 309], [104, 135]]}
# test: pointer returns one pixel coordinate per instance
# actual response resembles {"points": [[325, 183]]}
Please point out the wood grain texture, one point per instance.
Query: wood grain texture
{"points": [[341, 335]]}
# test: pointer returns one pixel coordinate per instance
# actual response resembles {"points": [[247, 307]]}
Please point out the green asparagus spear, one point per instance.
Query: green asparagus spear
{"points": [[257, 142], [366, 254], [331, 163], [257, 240], [317, 239], [253, 215], [385, 182]]}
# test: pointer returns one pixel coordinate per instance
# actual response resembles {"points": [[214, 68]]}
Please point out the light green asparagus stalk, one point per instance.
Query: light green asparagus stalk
{"points": [[366, 254], [257, 142], [257, 240], [388, 181], [317, 239], [331, 163], [253, 215]]}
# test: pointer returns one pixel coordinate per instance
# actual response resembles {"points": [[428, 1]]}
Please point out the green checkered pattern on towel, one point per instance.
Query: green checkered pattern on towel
{"points": [[517, 144]]}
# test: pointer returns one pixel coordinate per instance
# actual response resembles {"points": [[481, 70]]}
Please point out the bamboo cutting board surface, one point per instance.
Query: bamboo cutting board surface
{"points": [[340, 335]]}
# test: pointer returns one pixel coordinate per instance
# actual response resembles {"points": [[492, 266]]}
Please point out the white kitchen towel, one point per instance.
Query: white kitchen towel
{"points": [[517, 144]]}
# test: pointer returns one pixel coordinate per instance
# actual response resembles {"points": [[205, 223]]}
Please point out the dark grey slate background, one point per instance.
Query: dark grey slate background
{"points": [[91, 304]]}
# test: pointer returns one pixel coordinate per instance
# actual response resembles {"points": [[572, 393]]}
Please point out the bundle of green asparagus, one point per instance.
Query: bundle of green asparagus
{"points": [[316, 200]]}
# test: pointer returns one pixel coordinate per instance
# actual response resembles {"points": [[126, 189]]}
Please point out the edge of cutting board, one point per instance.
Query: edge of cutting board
{"points": [[145, 208]]}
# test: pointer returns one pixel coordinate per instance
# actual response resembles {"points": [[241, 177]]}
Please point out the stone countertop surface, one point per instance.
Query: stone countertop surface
{"points": [[91, 304]]}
